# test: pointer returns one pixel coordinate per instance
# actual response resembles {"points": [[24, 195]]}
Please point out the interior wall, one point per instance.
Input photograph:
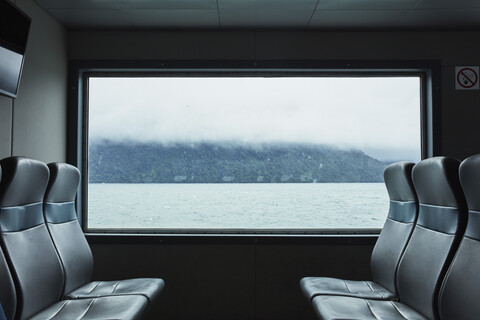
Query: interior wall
{"points": [[255, 281], [459, 108], [231, 281], [38, 114], [260, 281]]}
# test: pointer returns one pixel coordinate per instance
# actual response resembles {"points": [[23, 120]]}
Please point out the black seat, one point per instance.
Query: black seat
{"points": [[72, 247], [32, 258], [388, 249], [8, 296], [461, 288], [440, 225]]}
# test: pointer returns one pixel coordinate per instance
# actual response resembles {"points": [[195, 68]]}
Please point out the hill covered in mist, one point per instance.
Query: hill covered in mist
{"points": [[222, 163]]}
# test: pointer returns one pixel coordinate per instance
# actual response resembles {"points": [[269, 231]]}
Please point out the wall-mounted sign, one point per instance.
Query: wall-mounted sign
{"points": [[466, 78]]}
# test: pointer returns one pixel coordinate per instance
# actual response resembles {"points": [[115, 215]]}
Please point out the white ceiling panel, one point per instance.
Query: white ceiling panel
{"points": [[83, 5], [367, 4], [357, 19], [173, 18], [85, 19], [266, 5], [258, 14], [296, 19], [168, 4], [449, 4]]}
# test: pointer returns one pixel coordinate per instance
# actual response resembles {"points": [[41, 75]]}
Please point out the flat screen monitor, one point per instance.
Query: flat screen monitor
{"points": [[14, 28]]}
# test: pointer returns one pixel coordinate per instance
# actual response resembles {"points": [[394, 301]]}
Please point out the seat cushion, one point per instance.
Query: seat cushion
{"points": [[460, 290], [118, 307], [314, 286], [148, 287], [337, 307]]}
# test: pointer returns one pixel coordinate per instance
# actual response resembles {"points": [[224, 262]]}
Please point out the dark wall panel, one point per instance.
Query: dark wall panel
{"points": [[202, 281], [459, 108], [231, 281]]}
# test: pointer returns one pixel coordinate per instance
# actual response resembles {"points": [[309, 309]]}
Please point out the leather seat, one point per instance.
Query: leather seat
{"points": [[460, 291], [351, 308], [32, 259], [8, 296], [440, 225], [120, 307], [388, 249], [72, 247]]}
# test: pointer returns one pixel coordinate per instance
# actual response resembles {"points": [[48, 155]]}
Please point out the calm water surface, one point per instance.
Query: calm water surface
{"points": [[238, 206]]}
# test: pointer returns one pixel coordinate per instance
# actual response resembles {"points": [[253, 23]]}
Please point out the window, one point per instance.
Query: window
{"points": [[234, 151]]}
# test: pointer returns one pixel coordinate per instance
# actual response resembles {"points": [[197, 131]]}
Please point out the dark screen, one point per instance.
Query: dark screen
{"points": [[14, 27]]}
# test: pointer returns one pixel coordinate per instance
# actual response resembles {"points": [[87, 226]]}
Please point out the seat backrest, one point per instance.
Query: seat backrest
{"points": [[30, 253], [398, 226], [8, 296], [460, 290], [61, 219], [439, 228]]}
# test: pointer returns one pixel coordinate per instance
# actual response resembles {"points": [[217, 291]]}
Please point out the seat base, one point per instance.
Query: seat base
{"points": [[315, 286], [150, 288], [118, 307], [337, 308]]}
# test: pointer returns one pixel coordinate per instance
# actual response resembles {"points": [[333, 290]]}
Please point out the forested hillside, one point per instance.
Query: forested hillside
{"points": [[222, 163]]}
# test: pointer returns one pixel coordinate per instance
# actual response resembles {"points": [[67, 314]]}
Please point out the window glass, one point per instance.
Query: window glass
{"points": [[246, 153]]}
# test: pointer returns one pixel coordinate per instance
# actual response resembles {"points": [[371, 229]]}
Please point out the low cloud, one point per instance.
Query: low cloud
{"points": [[381, 114]]}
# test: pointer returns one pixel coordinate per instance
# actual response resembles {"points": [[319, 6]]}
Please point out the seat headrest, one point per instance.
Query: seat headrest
{"points": [[23, 181], [398, 180], [470, 179], [63, 183], [437, 183]]}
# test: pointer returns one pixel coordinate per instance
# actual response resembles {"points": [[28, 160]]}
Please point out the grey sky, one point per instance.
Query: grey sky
{"points": [[380, 116]]}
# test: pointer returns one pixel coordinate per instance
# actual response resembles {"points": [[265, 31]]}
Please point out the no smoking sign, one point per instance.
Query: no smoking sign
{"points": [[466, 78]]}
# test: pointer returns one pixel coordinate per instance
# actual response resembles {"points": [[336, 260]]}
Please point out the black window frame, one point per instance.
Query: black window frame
{"points": [[77, 122]]}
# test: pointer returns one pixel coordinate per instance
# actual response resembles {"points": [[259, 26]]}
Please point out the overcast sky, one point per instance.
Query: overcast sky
{"points": [[380, 116]]}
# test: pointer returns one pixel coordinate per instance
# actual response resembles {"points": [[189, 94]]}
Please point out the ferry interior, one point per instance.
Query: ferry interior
{"points": [[420, 259]]}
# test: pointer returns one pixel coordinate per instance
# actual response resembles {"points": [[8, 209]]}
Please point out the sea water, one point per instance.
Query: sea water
{"points": [[237, 206]]}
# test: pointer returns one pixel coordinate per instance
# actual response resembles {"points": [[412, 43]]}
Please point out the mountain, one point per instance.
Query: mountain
{"points": [[228, 163]]}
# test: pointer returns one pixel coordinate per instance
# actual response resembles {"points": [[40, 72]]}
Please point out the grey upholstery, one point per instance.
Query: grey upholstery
{"points": [[72, 247], [148, 287], [32, 258], [398, 226], [460, 291], [314, 286], [440, 226], [350, 308], [8, 297], [61, 219], [121, 307], [388, 249], [25, 237]]}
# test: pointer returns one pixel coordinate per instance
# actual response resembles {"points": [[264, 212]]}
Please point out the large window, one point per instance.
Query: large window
{"points": [[214, 152]]}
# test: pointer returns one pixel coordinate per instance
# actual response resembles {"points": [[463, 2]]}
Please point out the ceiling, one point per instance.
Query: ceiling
{"points": [[266, 14]]}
